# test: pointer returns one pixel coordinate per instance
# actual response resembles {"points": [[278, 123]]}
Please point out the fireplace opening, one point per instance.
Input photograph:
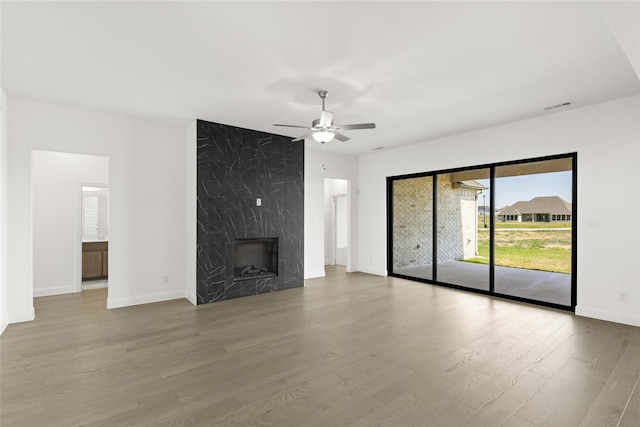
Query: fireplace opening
{"points": [[253, 258]]}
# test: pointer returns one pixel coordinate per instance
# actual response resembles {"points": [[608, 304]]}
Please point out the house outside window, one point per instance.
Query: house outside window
{"points": [[538, 209]]}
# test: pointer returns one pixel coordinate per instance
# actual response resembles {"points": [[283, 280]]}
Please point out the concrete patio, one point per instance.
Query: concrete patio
{"points": [[542, 286]]}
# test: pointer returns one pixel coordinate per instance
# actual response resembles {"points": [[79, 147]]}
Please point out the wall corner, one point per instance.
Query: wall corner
{"points": [[191, 216]]}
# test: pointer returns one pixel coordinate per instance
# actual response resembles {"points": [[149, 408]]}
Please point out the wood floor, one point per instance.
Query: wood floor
{"points": [[348, 349]]}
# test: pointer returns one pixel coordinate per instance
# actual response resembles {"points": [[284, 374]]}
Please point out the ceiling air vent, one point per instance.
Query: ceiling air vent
{"points": [[555, 107]]}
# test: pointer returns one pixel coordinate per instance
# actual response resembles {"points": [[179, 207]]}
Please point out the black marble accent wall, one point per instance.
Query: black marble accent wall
{"points": [[235, 168]]}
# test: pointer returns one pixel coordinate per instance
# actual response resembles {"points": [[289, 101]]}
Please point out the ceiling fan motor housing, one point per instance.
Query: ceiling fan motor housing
{"points": [[316, 122]]}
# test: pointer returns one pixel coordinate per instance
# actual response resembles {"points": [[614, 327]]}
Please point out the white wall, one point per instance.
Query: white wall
{"points": [[4, 319], [318, 165], [191, 212], [607, 140], [56, 179], [147, 209]]}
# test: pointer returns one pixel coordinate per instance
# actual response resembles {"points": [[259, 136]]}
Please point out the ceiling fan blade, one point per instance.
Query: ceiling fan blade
{"points": [[301, 138], [357, 126], [293, 126], [326, 117], [341, 137]]}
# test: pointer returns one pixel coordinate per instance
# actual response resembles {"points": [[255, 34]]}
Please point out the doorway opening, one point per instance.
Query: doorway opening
{"points": [[336, 222], [57, 181], [94, 222]]}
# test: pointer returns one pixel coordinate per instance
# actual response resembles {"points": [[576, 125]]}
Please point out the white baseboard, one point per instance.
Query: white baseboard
{"points": [[314, 274], [143, 299], [3, 327], [596, 313], [56, 290], [193, 299], [374, 271]]}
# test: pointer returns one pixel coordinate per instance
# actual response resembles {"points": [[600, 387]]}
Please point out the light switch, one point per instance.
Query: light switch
{"points": [[258, 202]]}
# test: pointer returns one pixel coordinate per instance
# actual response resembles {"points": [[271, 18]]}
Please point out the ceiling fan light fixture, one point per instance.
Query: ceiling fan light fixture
{"points": [[324, 129], [323, 136]]}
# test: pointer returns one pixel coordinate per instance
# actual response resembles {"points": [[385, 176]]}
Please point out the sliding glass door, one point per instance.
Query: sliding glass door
{"points": [[533, 232], [505, 229], [461, 231], [412, 214]]}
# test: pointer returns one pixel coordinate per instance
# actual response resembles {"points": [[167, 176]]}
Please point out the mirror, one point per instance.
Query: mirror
{"points": [[95, 214]]}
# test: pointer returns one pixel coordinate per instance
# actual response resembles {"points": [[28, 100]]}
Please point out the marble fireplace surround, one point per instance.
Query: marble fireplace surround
{"points": [[250, 186]]}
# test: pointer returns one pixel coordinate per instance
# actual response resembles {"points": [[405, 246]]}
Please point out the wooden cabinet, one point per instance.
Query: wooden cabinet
{"points": [[95, 260], [105, 263]]}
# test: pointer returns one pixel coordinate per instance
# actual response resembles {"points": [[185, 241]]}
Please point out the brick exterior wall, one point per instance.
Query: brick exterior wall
{"points": [[412, 225], [457, 221], [412, 222]]}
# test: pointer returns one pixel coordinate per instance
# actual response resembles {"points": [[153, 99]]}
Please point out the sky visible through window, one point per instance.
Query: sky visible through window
{"points": [[525, 187]]}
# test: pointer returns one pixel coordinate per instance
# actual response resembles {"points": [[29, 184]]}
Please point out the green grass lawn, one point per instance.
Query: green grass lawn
{"points": [[540, 249], [511, 225]]}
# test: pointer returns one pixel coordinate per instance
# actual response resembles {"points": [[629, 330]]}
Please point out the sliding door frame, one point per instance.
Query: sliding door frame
{"points": [[492, 167]]}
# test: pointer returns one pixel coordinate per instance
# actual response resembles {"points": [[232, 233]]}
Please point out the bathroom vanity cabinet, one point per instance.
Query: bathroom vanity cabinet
{"points": [[95, 260]]}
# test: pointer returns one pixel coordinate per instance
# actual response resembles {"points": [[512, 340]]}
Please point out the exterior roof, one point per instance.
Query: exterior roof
{"points": [[539, 205], [474, 185]]}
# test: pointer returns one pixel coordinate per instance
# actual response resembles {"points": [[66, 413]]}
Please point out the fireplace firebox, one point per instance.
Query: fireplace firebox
{"points": [[254, 258]]}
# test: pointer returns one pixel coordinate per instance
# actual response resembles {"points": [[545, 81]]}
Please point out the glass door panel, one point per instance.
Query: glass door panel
{"points": [[533, 230], [412, 201], [463, 228]]}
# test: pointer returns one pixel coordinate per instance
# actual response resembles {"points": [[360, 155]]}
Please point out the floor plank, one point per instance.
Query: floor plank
{"points": [[609, 407], [631, 416]]}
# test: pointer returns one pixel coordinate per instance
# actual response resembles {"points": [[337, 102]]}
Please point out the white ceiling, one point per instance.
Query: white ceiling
{"points": [[419, 70]]}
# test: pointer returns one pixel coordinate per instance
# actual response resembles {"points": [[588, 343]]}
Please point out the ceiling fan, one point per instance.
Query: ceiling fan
{"points": [[324, 130]]}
